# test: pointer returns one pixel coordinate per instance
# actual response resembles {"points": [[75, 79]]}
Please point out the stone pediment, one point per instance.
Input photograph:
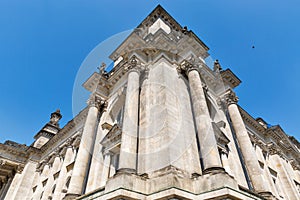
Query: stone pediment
{"points": [[221, 138], [113, 137]]}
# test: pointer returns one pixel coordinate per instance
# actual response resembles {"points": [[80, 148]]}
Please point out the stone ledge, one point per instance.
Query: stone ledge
{"points": [[173, 193], [208, 186]]}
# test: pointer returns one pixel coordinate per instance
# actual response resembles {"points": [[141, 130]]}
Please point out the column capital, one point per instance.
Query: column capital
{"points": [[20, 168], [107, 152], [76, 141], [133, 65], [69, 143], [186, 67], [98, 102], [230, 98]]}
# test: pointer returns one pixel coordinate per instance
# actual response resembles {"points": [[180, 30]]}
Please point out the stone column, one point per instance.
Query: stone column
{"points": [[289, 186], [85, 151], [96, 163], [5, 187], [206, 136], [13, 186], [105, 169], [42, 177], [50, 182], [128, 151], [248, 152], [68, 155], [26, 180]]}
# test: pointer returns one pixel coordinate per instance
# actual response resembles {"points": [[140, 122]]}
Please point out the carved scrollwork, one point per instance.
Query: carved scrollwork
{"points": [[295, 164], [133, 65], [76, 142], [20, 168], [98, 102], [186, 67], [273, 149], [2, 162], [230, 98]]}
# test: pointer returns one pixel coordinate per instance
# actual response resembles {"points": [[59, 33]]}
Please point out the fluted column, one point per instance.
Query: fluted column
{"points": [[206, 136], [68, 155], [128, 151], [85, 151], [105, 169], [54, 168], [248, 152]]}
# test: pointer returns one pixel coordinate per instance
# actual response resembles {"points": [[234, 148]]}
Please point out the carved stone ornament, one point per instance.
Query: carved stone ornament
{"points": [[133, 64], [186, 67], [76, 142], [273, 149], [217, 66], [20, 168], [68, 142], [55, 117], [2, 162], [98, 102], [230, 98], [295, 164]]}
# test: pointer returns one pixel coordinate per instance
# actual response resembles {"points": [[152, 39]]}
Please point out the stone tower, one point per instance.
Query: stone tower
{"points": [[160, 125]]}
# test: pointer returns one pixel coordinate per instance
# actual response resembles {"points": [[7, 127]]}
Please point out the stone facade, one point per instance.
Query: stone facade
{"points": [[160, 125]]}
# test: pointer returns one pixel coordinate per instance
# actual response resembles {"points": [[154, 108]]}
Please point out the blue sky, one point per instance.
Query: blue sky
{"points": [[43, 44]]}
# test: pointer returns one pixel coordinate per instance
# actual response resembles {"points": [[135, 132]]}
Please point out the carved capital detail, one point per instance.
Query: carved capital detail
{"points": [[230, 98], [133, 65], [186, 67], [76, 142], [97, 102], [273, 149], [20, 168], [295, 164]]}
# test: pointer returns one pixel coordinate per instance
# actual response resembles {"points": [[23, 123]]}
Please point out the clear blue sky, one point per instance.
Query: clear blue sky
{"points": [[43, 43]]}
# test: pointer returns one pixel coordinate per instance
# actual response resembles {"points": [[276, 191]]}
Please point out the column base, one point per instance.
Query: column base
{"points": [[126, 171], [70, 196], [214, 170]]}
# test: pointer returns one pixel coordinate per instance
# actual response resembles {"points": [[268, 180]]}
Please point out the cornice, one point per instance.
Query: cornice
{"points": [[15, 153], [250, 121], [230, 78], [113, 137]]}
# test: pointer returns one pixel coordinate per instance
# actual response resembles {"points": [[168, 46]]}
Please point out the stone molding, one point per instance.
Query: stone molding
{"points": [[113, 137]]}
